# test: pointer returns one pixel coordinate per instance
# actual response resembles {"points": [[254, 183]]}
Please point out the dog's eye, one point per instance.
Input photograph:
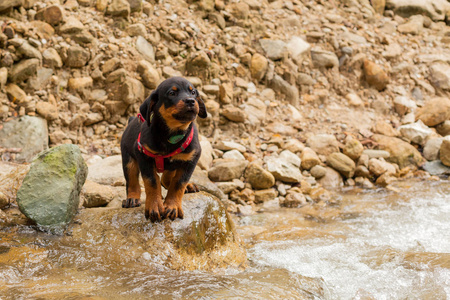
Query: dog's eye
{"points": [[171, 93], [193, 92]]}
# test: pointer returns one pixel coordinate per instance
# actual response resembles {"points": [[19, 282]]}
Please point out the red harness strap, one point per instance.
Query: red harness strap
{"points": [[141, 118], [159, 159]]}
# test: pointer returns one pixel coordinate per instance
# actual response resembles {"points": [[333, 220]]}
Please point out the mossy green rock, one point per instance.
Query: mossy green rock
{"points": [[50, 192]]}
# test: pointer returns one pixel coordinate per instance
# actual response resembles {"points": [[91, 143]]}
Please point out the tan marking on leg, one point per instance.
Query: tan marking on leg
{"points": [[154, 208], [167, 178], [134, 188], [174, 197]]}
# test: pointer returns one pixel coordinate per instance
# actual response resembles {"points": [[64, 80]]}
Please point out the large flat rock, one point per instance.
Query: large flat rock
{"points": [[204, 239]]}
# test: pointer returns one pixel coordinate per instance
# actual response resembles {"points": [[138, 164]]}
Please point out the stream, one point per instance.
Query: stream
{"points": [[373, 244]]}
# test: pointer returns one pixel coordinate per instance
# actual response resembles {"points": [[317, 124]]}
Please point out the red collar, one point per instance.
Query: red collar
{"points": [[159, 159]]}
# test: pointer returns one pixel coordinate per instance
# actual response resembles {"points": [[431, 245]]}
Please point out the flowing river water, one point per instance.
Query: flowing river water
{"points": [[373, 244]]}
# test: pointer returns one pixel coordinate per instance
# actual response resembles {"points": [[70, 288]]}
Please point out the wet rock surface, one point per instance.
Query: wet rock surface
{"points": [[204, 239]]}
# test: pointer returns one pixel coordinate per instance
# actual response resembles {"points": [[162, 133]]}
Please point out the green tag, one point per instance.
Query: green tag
{"points": [[176, 138]]}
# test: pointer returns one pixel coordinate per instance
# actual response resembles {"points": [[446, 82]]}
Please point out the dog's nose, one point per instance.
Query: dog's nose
{"points": [[189, 102]]}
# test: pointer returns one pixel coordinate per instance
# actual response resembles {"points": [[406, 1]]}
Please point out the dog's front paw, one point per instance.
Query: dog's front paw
{"points": [[156, 213], [131, 202], [191, 188], [173, 211]]}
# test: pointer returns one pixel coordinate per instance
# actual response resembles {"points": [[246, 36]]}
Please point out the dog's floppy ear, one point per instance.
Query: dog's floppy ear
{"points": [[147, 107], [202, 109]]}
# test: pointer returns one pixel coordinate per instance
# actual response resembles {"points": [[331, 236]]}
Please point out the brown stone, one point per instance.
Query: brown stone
{"points": [[353, 149], [234, 114], [341, 163], [258, 177], [332, 179], [375, 75], [378, 6], [434, 112], [293, 200], [309, 158], [262, 196], [258, 66], [80, 83], [227, 170], [47, 110], [43, 29], [385, 128], [402, 153], [53, 14], [23, 70], [444, 152], [323, 144], [150, 76], [77, 57], [379, 167], [16, 94]]}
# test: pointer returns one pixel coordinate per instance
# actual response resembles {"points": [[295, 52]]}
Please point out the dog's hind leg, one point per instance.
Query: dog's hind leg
{"points": [[131, 172], [167, 178], [154, 208]]}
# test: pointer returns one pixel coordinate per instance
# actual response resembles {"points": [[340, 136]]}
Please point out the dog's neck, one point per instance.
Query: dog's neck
{"points": [[159, 137]]}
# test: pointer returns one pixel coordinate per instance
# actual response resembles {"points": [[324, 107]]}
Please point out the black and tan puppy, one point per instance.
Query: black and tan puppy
{"points": [[163, 138]]}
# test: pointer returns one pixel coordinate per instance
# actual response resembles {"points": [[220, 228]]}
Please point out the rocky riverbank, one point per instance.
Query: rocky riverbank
{"points": [[302, 96]]}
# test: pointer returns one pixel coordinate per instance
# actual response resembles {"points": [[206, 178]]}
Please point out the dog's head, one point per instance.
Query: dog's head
{"points": [[177, 101]]}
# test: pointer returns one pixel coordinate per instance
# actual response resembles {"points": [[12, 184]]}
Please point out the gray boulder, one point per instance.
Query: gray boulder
{"points": [[23, 70], [283, 170], [27, 133], [50, 192], [274, 49], [436, 167], [282, 86], [107, 171], [324, 59], [145, 49], [431, 148], [201, 180], [417, 132], [226, 170], [323, 144]]}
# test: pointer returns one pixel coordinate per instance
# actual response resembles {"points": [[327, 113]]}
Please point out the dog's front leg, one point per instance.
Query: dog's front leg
{"points": [[154, 208], [175, 193]]}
